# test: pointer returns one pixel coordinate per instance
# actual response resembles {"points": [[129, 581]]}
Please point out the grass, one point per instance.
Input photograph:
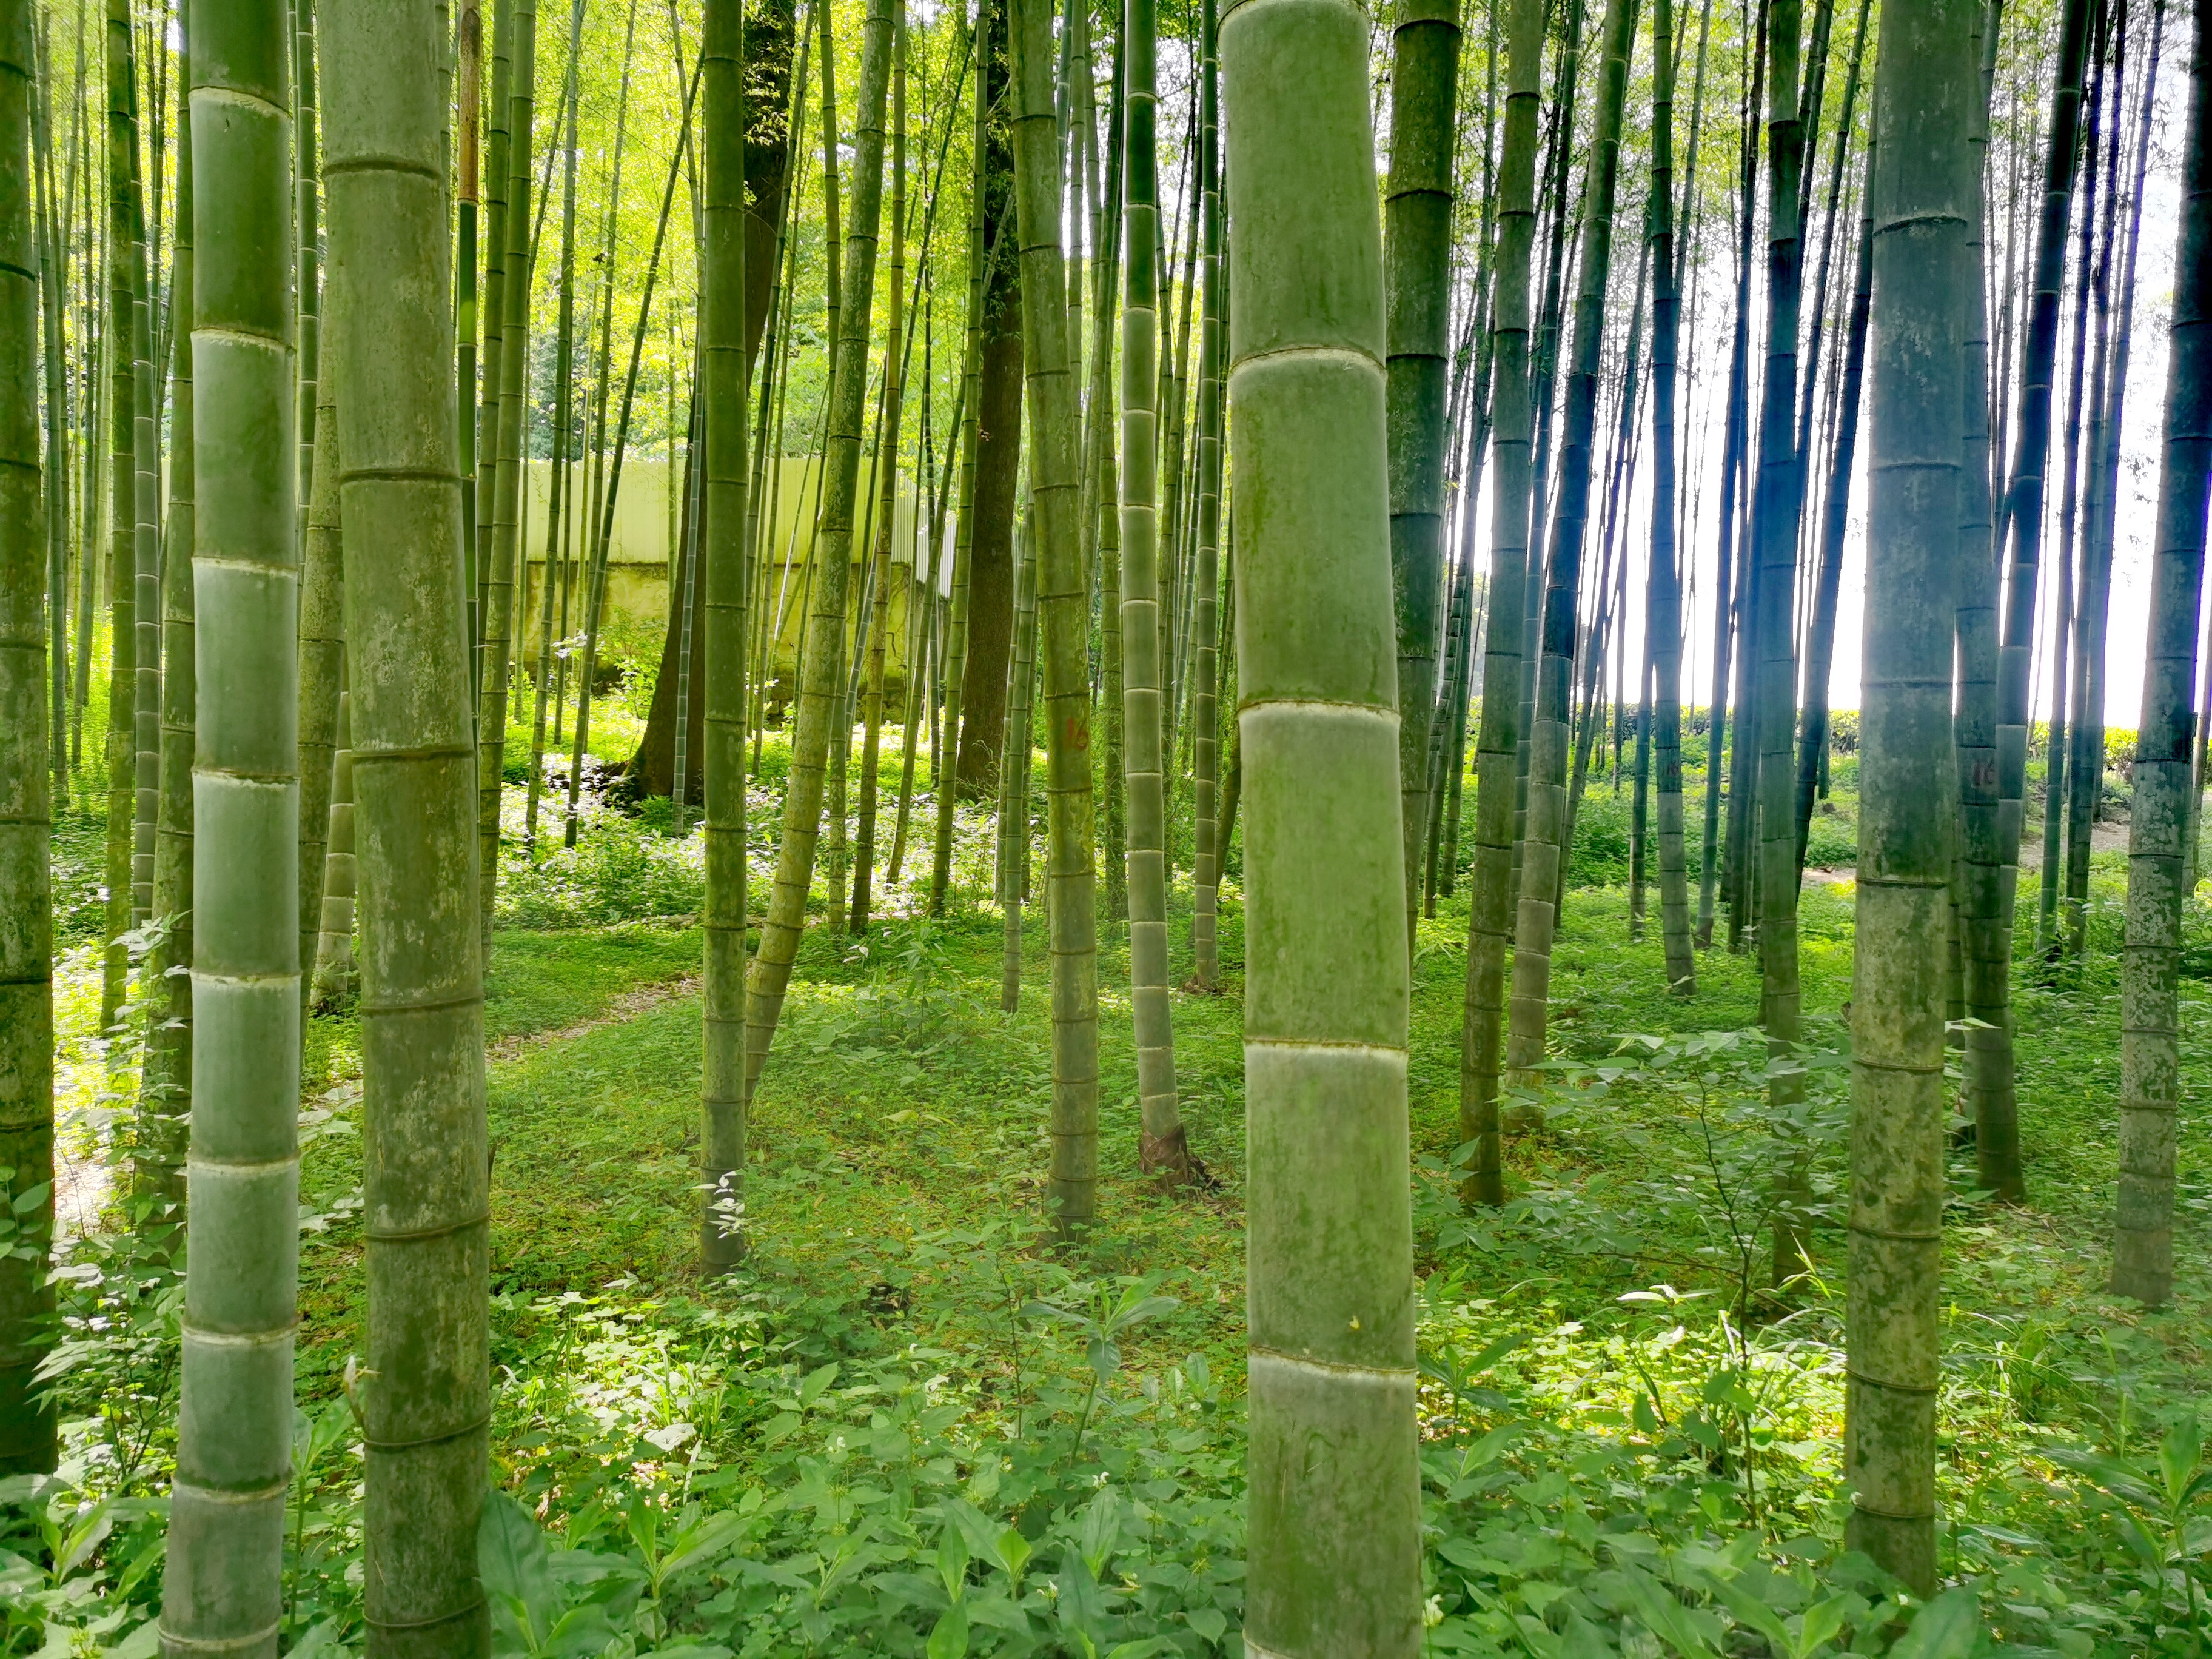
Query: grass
{"points": [[1609, 1404]]}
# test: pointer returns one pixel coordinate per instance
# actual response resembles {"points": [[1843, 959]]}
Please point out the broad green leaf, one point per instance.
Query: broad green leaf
{"points": [[511, 1558], [1821, 1623], [1947, 1628], [1101, 1530], [2178, 1454], [1079, 1605], [953, 1558], [949, 1640], [1012, 1551], [981, 1533], [2123, 1480], [700, 1543], [1748, 1609], [145, 1642], [998, 1612], [1150, 1307], [581, 1633], [1207, 1622], [1665, 1617]]}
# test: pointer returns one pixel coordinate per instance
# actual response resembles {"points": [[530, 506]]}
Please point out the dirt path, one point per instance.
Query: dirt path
{"points": [[2111, 837], [638, 999]]}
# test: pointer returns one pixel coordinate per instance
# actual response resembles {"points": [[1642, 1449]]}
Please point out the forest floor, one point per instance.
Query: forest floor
{"points": [[1619, 1417]]}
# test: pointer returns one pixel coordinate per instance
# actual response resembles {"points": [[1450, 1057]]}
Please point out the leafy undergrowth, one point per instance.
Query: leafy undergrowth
{"points": [[910, 1424]]}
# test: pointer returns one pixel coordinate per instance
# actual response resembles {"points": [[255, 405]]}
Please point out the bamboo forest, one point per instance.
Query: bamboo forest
{"points": [[1103, 829]]}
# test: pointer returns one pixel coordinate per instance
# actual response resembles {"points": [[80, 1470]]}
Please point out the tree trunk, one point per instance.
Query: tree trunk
{"points": [[2024, 496], [26, 1001], [603, 521], [492, 306], [1490, 904], [1661, 727], [334, 968], [322, 669], [955, 625], [1546, 851], [225, 1574], [423, 1400], [2087, 772], [887, 461], [1417, 271], [1014, 776], [146, 548], [722, 337], [770, 36], [991, 545], [1335, 1547], [822, 688], [1162, 1144], [2151, 1067], [166, 1089], [498, 610], [1776, 514], [1204, 624], [1922, 199], [1063, 587], [122, 637], [560, 505]]}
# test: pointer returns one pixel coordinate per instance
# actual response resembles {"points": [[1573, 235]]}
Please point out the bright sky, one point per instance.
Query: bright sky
{"points": [[2137, 506]]}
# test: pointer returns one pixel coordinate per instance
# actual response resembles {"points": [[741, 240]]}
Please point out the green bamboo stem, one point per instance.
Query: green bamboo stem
{"points": [[1102, 513], [223, 1582], [423, 1397], [722, 341], [1983, 925], [1417, 216], [467, 186], [2086, 775], [559, 506], [1921, 207], [1014, 770], [1663, 729], [1497, 770], [123, 641], [2150, 1056], [308, 277], [498, 610], [497, 165], [2022, 513], [52, 280], [887, 452], [1162, 1146], [1049, 364], [1545, 852], [27, 1003], [956, 627], [164, 1093], [1777, 511], [322, 665], [598, 536], [822, 687], [146, 557], [601, 527], [334, 968], [1206, 853], [1333, 1551]]}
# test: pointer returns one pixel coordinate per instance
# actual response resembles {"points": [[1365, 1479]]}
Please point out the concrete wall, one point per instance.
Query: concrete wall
{"points": [[638, 575]]}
